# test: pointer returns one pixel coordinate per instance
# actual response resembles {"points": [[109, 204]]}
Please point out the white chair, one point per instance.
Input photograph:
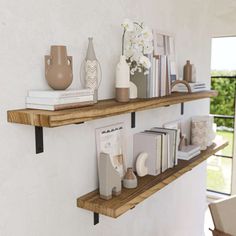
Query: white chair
{"points": [[224, 217]]}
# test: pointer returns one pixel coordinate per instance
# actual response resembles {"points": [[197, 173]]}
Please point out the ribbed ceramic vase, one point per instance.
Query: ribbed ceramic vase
{"points": [[91, 69], [58, 68]]}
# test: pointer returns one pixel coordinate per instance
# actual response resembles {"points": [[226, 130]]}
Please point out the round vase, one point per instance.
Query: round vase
{"points": [[58, 68], [130, 179]]}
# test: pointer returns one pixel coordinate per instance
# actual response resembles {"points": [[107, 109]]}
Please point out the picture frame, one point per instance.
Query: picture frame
{"points": [[111, 140], [164, 45]]}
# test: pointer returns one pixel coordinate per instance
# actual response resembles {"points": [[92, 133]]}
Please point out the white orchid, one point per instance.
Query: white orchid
{"points": [[147, 34], [128, 25], [137, 43], [145, 62]]}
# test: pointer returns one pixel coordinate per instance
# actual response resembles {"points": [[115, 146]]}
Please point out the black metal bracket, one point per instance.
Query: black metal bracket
{"points": [[39, 139], [182, 108], [133, 120], [79, 123], [95, 218]]}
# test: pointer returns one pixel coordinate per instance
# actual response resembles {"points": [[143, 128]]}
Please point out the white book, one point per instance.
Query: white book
{"points": [[58, 107], [165, 152], [151, 143], [192, 89], [174, 126], [187, 158], [153, 82], [193, 85], [163, 76], [167, 161], [157, 78], [188, 150], [173, 145], [58, 101], [59, 93]]}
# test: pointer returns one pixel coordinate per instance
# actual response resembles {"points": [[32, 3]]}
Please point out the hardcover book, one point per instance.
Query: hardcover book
{"points": [[150, 143]]}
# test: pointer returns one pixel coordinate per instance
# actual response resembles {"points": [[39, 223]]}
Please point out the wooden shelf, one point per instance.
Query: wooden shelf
{"points": [[147, 186], [102, 109]]}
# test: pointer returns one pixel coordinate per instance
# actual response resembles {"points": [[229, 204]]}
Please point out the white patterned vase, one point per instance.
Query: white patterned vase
{"points": [[90, 71]]}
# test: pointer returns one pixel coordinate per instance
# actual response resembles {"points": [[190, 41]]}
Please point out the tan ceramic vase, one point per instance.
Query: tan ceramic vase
{"points": [[58, 68], [130, 180]]}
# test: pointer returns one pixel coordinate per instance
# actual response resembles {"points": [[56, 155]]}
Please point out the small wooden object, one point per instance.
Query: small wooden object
{"points": [[181, 82]]}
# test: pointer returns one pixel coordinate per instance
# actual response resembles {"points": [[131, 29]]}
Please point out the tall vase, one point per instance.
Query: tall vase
{"points": [[189, 72], [122, 80], [58, 68], [92, 67]]}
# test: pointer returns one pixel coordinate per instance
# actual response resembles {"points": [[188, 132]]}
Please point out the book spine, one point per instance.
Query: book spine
{"points": [[58, 107], [58, 101], [154, 78], [157, 77], [59, 94]]}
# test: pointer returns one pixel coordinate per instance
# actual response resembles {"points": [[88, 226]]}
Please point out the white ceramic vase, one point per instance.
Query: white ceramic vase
{"points": [[122, 80]]}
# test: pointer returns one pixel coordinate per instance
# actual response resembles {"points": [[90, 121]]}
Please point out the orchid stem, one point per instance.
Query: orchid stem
{"points": [[123, 39]]}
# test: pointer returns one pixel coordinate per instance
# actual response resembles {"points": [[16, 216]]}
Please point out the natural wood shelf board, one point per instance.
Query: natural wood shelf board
{"points": [[103, 108], [147, 186]]}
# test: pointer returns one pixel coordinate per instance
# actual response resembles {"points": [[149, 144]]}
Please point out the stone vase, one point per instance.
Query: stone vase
{"points": [[130, 179], [58, 68]]}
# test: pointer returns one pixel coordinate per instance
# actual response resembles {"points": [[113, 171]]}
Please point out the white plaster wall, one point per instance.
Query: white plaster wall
{"points": [[38, 192]]}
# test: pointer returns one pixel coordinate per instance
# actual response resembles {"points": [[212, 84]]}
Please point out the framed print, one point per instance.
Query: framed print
{"points": [[111, 140], [164, 46]]}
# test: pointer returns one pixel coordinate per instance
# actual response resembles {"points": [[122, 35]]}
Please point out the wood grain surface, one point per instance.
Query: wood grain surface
{"points": [[103, 108], [147, 186]]}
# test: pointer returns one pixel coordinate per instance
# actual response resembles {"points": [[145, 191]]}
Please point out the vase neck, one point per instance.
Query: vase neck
{"points": [[90, 52], [59, 55]]}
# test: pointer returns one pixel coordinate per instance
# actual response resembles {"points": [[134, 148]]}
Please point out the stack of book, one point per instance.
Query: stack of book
{"points": [[161, 146], [195, 87], [188, 152], [162, 72], [59, 100]]}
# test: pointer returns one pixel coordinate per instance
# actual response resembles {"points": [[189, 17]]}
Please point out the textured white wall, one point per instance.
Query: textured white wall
{"points": [[38, 192]]}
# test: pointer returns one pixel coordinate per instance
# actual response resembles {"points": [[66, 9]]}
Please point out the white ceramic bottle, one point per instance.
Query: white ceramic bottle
{"points": [[122, 80]]}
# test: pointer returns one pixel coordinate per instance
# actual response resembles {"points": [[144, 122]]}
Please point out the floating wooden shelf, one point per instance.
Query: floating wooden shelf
{"points": [[102, 109], [147, 186]]}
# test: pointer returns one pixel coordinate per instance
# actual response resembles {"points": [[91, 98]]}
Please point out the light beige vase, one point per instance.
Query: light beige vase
{"points": [[58, 68], [130, 180]]}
